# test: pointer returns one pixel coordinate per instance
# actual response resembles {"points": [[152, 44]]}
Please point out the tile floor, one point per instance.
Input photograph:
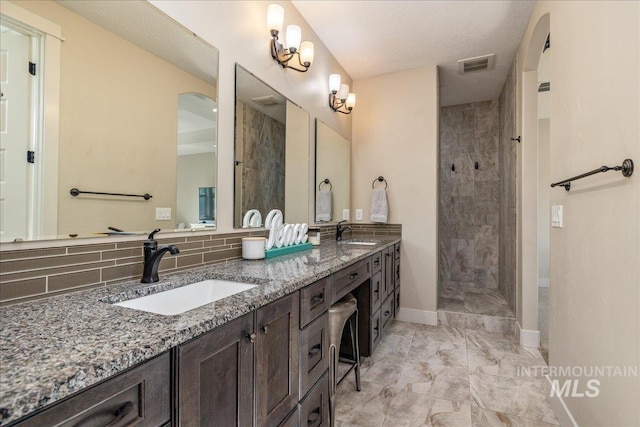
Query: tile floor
{"points": [[441, 376], [473, 300]]}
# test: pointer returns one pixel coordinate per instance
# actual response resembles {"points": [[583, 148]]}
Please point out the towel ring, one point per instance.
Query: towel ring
{"points": [[380, 179], [325, 181]]}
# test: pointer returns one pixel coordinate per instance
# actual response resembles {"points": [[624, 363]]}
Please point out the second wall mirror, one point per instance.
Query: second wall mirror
{"points": [[333, 175]]}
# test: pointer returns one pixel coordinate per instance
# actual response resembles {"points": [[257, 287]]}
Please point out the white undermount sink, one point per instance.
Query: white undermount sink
{"points": [[185, 298]]}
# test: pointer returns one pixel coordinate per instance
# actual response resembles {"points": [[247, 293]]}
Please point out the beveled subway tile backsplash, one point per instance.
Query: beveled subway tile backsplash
{"points": [[37, 273]]}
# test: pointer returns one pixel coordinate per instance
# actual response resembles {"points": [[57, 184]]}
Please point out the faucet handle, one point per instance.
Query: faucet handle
{"points": [[151, 236]]}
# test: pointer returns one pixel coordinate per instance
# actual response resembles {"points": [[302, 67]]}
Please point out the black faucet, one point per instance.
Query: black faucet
{"points": [[340, 229], [152, 257]]}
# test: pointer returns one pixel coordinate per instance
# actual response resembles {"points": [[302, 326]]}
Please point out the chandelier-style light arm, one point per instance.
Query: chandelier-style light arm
{"points": [[337, 104], [284, 55]]}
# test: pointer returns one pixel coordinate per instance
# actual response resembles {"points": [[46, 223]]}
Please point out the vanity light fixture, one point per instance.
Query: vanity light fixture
{"points": [[340, 99], [302, 52]]}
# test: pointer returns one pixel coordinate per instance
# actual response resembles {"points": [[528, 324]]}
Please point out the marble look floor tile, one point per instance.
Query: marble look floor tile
{"points": [[492, 361], [451, 304], [415, 410], [385, 372], [367, 407], [487, 418], [486, 301], [438, 352], [444, 382], [520, 397], [404, 329], [491, 340], [452, 319]]}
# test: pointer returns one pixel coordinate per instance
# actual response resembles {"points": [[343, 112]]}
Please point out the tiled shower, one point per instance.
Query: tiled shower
{"points": [[477, 176]]}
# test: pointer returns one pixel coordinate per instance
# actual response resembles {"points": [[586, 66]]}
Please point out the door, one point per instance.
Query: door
{"points": [[15, 113]]}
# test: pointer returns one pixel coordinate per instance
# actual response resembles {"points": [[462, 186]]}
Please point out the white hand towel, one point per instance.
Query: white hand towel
{"points": [[379, 207], [323, 206]]}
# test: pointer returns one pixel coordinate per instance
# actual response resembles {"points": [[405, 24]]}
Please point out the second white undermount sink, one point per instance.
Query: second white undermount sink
{"points": [[185, 298]]}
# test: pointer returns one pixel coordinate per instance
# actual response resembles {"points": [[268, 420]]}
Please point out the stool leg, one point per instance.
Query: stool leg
{"points": [[333, 373], [355, 347]]}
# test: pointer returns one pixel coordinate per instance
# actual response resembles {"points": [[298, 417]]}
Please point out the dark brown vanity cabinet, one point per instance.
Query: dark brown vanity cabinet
{"points": [[277, 354], [140, 396], [215, 376]]}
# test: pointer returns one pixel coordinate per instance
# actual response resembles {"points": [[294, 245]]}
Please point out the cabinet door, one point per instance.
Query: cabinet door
{"points": [[215, 377], [140, 397], [277, 360]]}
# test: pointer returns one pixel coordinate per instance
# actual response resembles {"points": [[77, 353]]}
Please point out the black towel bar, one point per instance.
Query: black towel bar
{"points": [[75, 192], [626, 168]]}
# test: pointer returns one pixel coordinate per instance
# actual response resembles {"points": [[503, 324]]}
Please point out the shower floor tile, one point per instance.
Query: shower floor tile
{"points": [[472, 300]]}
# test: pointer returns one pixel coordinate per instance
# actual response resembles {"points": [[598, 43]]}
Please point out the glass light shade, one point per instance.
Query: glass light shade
{"points": [[334, 83], [294, 35], [343, 92], [275, 17], [351, 101], [306, 52]]}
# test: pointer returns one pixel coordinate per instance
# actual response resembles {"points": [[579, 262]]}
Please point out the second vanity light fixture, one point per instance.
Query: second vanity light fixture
{"points": [[291, 50], [340, 99]]}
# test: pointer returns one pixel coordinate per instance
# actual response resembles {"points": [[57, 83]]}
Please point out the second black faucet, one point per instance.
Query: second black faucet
{"points": [[152, 257]]}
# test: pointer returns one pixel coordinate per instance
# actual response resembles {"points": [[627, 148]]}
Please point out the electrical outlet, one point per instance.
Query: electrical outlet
{"points": [[359, 214], [556, 216], [163, 214], [345, 214]]}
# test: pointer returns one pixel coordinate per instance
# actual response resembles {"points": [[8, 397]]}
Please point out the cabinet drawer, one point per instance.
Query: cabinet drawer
{"points": [[388, 272], [140, 396], [349, 278], [386, 311], [397, 250], [375, 328], [376, 262], [314, 300], [376, 291], [314, 409], [314, 353]]}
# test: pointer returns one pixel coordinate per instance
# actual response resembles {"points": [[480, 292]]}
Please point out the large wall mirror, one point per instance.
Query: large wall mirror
{"points": [[333, 175], [271, 153], [137, 115]]}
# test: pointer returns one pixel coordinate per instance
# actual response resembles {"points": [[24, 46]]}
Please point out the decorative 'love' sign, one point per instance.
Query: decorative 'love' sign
{"points": [[283, 234]]}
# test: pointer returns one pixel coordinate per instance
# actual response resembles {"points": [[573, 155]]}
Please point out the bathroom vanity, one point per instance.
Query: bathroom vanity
{"points": [[259, 357]]}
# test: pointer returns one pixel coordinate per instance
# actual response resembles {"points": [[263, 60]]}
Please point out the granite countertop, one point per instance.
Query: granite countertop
{"points": [[54, 347]]}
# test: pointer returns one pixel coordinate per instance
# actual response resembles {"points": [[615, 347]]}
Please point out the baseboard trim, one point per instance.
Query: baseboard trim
{"points": [[528, 338], [543, 283], [413, 315], [563, 415]]}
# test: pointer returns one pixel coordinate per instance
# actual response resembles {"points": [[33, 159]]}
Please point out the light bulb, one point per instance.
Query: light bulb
{"points": [[294, 35], [334, 83], [275, 17], [306, 53], [343, 92]]}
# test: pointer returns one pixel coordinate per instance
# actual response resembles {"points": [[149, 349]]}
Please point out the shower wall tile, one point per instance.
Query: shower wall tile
{"points": [[462, 260]]}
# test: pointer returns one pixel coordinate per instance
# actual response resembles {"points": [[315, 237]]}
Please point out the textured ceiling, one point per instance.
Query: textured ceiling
{"points": [[369, 38]]}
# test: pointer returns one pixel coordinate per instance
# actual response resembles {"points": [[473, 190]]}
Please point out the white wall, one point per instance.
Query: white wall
{"points": [[238, 29], [395, 134], [594, 309]]}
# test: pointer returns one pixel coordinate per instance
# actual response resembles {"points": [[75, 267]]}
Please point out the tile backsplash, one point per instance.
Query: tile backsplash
{"points": [[28, 274]]}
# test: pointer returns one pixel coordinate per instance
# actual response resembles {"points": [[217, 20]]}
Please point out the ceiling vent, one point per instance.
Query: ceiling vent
{"points": [[544, 87], [266, 101], [479, 63]]}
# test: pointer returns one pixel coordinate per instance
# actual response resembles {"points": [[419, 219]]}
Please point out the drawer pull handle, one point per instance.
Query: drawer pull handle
{"points": [[376, 261], [386, 313], [265, 329], [317, 299], [121, 413], [315, 350], [353, 276], [251, 337], [375, 291], [313, 416]]}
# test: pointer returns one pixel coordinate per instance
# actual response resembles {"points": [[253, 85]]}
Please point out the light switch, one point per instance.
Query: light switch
{"points": [[359, 214], [556, 216], [345, 214], [163, 214]]}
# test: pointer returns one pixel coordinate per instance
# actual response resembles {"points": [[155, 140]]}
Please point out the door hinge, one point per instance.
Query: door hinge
{"points": [[31, 156], [32, 68]]}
